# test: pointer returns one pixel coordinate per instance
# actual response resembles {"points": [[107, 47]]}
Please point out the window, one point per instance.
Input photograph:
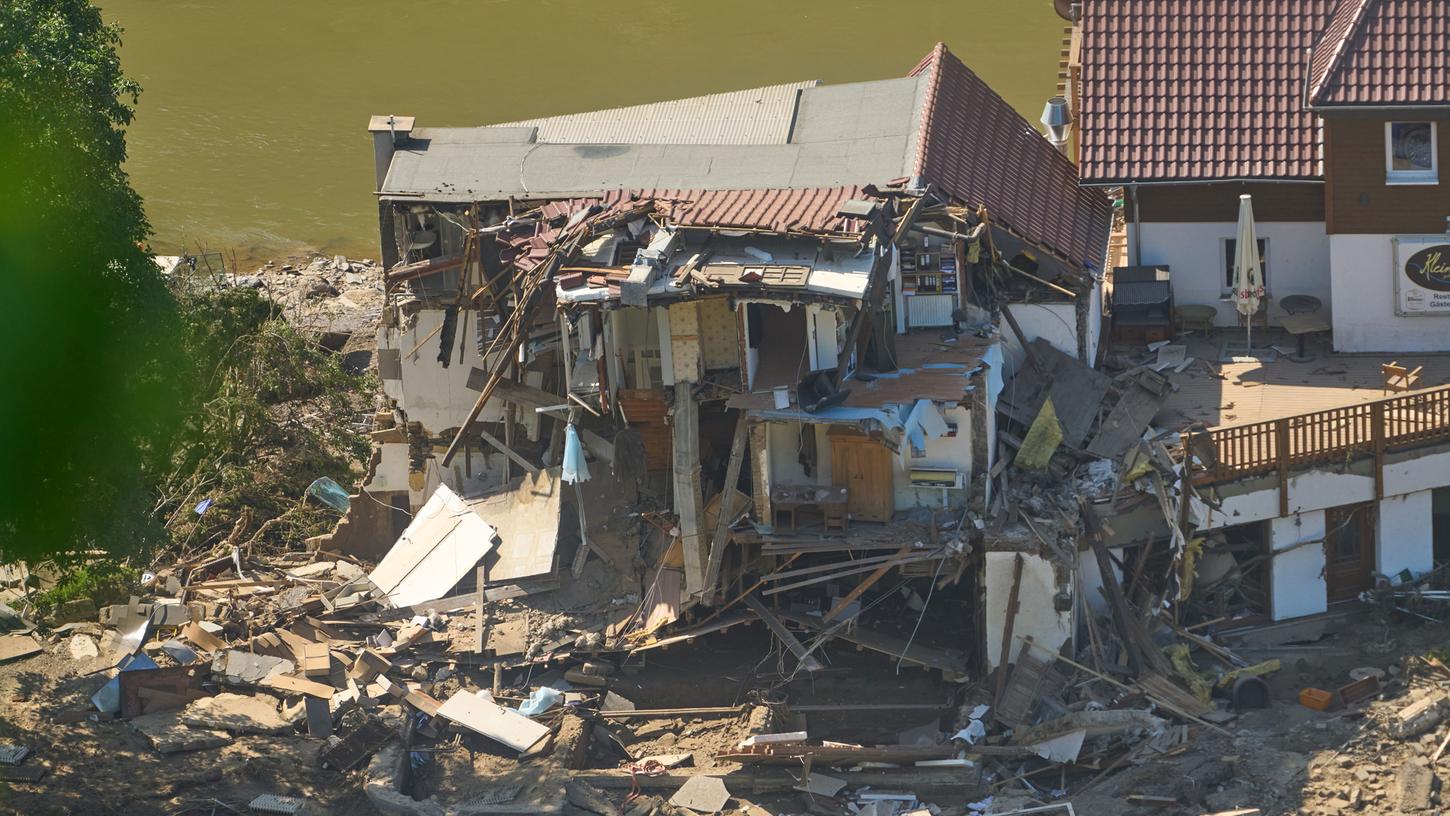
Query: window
{"points": [[1410, 153], [1230, 246]]}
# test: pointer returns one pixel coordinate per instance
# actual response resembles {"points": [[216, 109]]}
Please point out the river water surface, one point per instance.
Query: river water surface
{"points": [[251, 132]]}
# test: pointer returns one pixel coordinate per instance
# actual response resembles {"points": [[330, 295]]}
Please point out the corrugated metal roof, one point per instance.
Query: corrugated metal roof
{"points": [[1198, 89], [1384, 52], [977, 148], [753, 116]]}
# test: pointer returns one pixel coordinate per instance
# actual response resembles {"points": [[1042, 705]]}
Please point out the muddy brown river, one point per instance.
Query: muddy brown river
{"points": [[250, 136]]}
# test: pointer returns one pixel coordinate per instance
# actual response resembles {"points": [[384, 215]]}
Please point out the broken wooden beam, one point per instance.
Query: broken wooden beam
{"points": [[786, 636]]}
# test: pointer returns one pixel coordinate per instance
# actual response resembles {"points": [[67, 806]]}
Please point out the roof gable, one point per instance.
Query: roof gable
{"points": [[1383, 53], [979, 149]]}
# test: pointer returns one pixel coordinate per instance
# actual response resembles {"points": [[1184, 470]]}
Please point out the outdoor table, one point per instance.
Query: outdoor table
{"points": [[1300, 304], [1193, 317], [1301, 325]]}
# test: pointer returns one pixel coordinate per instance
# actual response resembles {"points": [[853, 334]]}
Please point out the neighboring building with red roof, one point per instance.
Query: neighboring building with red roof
{"points": [[1332, 114]]}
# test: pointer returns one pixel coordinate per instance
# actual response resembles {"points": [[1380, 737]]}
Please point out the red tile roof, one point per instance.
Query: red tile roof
{"points": [[1383, 52], [1198, 89], [809, 209], [977, 148], [802, 210]]}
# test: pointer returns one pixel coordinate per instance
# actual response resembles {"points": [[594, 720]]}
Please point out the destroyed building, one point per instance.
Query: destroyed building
{"points": [[790, 295]]}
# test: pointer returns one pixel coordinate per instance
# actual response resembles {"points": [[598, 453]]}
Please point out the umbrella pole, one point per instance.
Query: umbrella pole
{"points": [[583, 554]]}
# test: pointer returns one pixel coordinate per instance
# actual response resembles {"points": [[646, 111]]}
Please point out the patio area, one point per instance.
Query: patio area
{"points": [[1237, 393]]}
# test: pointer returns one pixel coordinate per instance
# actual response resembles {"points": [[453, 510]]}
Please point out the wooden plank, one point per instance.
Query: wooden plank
{"points": [[738, 446], [949, 661], [688, 504], [299, 685], [786, 636], [1012, 600], [513, 455], [480, 631], [1114, 592], [868, 582]]}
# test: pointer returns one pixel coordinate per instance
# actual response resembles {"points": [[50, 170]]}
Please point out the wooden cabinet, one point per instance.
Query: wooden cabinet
{"points": [[863, 466]]}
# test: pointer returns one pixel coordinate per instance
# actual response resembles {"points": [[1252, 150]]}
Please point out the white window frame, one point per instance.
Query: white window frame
{"points": [[1227, 292], [1404, 177]]}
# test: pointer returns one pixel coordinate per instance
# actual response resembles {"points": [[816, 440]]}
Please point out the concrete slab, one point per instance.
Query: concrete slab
{"points": [[169, 735], [237, 714]]}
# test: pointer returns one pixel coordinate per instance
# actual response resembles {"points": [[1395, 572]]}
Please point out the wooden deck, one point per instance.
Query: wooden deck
{"points": [[1244, 393]]}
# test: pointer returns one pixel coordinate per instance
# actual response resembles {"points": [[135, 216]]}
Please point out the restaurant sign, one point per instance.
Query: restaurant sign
{"points": [[1422, 275]]}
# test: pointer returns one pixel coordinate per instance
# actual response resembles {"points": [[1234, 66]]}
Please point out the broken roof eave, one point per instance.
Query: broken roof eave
{"points": [[1156, 182]]}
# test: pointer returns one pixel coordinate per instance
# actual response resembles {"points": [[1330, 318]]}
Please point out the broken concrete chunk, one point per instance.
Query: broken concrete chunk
{"points": [[818, 784], [1420, 716], [83, 647], [168, 735], [702, 794], [381, 789], [585, 796], [75, 611], [1416, 783], [236, 714]]}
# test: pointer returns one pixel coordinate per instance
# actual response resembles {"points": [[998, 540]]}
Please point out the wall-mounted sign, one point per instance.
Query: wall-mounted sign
{"points": [[1422, 275]]}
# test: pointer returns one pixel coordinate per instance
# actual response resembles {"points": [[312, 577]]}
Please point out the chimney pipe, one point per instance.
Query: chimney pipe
{"points": [[388, 132]]}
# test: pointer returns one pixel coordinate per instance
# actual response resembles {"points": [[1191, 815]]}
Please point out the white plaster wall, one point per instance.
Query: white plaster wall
{"points": [[1320, 490], [1299, 253], [1315, 490], [1404, 534], [392, 472], [436, 396], [1054, 322], [1094, 322], [783, 441], [1036, 616], [1362, 268], [1297, 577], [943, 452]]}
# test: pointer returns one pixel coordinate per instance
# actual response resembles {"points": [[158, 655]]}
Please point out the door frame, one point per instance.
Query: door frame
{"points": [[1346, 574]]}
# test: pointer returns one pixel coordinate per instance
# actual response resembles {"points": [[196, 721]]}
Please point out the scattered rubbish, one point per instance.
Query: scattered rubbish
{"points": [[283, 805], [330, 493], [540, 700]]}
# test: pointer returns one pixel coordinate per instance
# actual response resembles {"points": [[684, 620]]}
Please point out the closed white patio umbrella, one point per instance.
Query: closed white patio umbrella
{"points": [[1248, 274]]}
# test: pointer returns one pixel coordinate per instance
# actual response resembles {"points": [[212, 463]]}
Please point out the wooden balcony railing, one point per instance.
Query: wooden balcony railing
{"points": [[1333, 435]]}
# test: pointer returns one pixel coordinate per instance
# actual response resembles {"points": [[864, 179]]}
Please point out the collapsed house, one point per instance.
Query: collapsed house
{"points": [[773, 314]]}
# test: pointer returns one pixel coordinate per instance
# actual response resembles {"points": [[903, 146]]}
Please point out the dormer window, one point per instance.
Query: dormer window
{"points": [[1410, 153]]}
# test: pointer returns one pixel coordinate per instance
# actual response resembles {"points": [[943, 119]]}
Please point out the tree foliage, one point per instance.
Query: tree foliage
{"points": [[268, 410], [125, 398], [87, 396]]}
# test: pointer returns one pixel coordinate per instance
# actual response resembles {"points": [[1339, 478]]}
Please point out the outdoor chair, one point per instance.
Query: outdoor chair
{"points": [[1400, 378]]}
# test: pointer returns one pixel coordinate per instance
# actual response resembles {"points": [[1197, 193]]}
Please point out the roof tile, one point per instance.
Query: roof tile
{"points": [[1223, 79], [1383, 52]]}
